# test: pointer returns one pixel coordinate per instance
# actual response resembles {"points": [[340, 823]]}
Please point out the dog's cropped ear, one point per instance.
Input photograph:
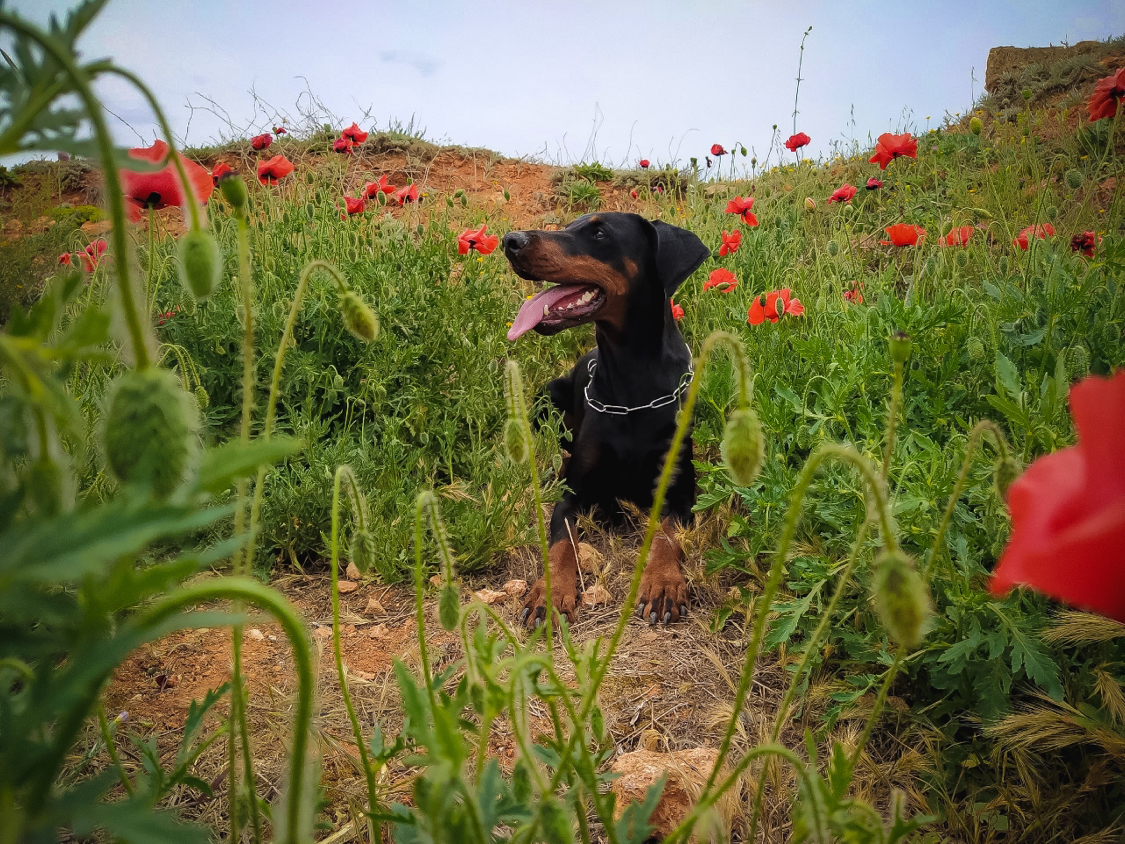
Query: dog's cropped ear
{"points": [[678, 254]]}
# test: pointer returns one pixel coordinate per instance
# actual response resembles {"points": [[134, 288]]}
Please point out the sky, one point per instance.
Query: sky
{"points": [[614, 81]]}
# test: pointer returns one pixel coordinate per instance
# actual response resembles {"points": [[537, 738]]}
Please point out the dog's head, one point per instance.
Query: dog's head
{"points": [[602, 266]]}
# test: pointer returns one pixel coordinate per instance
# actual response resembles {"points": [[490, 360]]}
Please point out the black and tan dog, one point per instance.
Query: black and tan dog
{"points": [[619, 403]]}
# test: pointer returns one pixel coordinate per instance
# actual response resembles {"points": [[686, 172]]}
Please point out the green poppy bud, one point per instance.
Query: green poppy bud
{"points": [[975, 126], [946, 227], [507, 195], [744, 152], [810, 204], [1027, 94], [362, 551], [975, 349], [464, 200], [449, 606], [200, 263], [833, 248], [151, 430], [449, 201], [338, 381], [233, 188], [359, 319], [902, 599], [1078, 362], [201, 397], [309, 178], [516, 446], [1006, 470], [962, 260], [743, 447], [900, 344], [1073, 179], [1052, 212]]}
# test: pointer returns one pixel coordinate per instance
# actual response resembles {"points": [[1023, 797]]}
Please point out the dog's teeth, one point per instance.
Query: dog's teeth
{"points": [[546, 311]]}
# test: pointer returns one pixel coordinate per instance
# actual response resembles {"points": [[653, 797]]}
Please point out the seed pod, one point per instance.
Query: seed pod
{"points": [[151, 430], [833, 248], [359, 319], [233, 188], [900, 344], [975, 126], [200, 262], [201, 397], [362, 551], [743, 447], [1052, 212], [902, 599], [1006, 470], [1073, 179], [975, 348], [449, 606], [1078, 362]]}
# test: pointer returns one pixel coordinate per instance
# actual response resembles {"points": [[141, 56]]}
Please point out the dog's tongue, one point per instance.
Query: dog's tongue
{"points": [[532, 311]]}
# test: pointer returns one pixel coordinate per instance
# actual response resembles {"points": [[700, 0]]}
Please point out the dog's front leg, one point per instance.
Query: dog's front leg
{"points": [[664, 592], [563, 561]]}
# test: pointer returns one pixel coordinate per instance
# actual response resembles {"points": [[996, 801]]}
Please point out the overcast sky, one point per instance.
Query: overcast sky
{"points": [[660, 80]]}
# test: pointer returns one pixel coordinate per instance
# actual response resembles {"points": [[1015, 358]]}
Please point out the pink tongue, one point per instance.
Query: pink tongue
{"points": [[532, 311]]}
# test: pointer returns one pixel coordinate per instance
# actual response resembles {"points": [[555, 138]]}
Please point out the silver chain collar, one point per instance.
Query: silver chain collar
{"points": [[622, 410]]}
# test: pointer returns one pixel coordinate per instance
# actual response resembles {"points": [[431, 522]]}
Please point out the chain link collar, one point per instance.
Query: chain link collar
{"points": [[622, 410]]}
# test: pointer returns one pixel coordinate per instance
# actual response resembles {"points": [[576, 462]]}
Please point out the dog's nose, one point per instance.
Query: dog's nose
{"points": [[514, 242]]}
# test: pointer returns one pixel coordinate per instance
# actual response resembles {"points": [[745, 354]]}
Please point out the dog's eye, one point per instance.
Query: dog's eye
{"points": [[599, 234]]}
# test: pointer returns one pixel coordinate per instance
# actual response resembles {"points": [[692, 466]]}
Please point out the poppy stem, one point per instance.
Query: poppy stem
{"points": [[892, 419]]}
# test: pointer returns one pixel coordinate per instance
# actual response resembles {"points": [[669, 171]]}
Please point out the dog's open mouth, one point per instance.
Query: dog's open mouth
{"points": [[556, 308]]}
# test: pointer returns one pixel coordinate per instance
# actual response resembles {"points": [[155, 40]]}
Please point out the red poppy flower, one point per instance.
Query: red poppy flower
{"points": [[354, 134], [262, 141], [853, 294], [161, 188], [888, 147], [1103, 102], [407, 194], [343, 145], [91, 256], [777, 303], [844, 193], [731, 242], [957, 237], [722, 280], [797, 141], [633, 193], [658, 189], [1039, 230], [371, 189], [279, 130], [273, 171], [221, 169], [483, 243], [1085, 243], [874, 184], [355, 205], [904, 234], [741, 206], [717, 150], [677, 311], [644, 163], [65, 260], [1068, 510]]}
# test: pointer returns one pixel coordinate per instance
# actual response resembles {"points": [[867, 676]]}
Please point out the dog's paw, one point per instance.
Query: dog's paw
{"points": [[664, 593], [564, 595]]}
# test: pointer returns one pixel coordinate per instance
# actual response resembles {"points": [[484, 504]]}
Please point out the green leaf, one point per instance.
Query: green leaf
{"points": [[1008, 377], [230, 461]]}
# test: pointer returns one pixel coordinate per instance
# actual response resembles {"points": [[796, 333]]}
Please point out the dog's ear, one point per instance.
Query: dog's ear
{"points": [[678, 254]]}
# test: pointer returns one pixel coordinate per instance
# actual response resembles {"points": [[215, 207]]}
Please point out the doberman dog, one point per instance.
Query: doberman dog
{"points": [[620, 401]]}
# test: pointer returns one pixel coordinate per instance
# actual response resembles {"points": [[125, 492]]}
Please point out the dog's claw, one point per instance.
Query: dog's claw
{"points": [[667, 616], [526, 613], [683, 610], [538, 622], [652, 617]]}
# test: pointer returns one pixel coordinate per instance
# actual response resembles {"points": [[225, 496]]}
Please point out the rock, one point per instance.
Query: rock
{"points": [[1007, 60], [590, 558], [255, 635], [515, 588], [379, 631], [347, 586], [687, 772], [322, 633], [353, 572], [96, 228], [491, 596], [596, 594], [436, 581], [374, 607]]}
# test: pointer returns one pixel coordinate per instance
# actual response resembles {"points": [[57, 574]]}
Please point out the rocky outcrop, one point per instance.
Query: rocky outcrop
{"points": [[1005, 60]]}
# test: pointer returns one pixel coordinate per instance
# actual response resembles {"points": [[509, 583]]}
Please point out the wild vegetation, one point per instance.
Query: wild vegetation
{"points": [[299, 380]]}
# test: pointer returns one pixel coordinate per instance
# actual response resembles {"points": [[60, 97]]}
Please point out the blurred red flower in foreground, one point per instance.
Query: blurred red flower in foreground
{"points": [[92, 255], [1103, 102], [741, 206], [644, 163], [888, 147], [354, 205], [261, 141], [1039, 230], [1085, 243], [633, 193], [407, 194], [221, 169], [957, 237], [874, 184], [342, 145], [371, 189], [731, 242], [273, 171], [471, 239], [161, 188], [777, 303], [844, 193], [904, 234], [677, 311], [853, 294], [797, 141], [65, 260], [279, 130], [1068, 510], [722, 280], [354, 134], [717, 150]]}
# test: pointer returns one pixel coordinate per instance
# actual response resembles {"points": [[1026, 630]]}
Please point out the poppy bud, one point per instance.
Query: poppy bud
{"points": [[1078, 362], [1052, 212], [946, 228], [694, 162], [743, 447], [151, 430], [1073, 179], [338, 381], [449, 201], [464, 200], [1003, 265], [200, 262], [975, 126], [810, 203], [309, 178], [962, 260], [744, 152], [1006, 470], [1027, 94], [975, 348], [233, 188], [449, 606], [362, 551], [201, 397], [516, 446], [902, 599], [833, 248], [507, 195], [359, 319], [900, 344]]}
